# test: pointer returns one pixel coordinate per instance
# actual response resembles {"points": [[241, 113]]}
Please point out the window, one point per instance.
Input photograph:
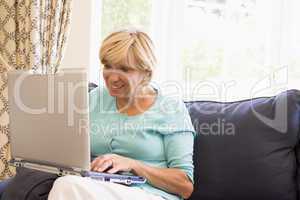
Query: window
{"points": [[117, 14], [216, 49], [234, 46]]}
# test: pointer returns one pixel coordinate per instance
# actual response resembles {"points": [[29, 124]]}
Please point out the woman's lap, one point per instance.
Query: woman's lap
{"points": [[3, 185], [79, 188]]}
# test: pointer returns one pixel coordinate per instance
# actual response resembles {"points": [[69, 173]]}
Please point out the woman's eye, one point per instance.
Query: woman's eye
{"points": [[124, 69], [107, 66]]}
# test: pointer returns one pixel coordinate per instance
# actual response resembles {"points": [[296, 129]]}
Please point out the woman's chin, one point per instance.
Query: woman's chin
{"points": [[115, 93]]}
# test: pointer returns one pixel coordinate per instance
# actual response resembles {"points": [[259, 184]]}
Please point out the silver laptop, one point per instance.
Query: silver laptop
{"points": [[49, 125]]}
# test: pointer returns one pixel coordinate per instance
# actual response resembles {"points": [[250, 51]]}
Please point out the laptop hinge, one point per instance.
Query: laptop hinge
{"points": [[60, 171]]}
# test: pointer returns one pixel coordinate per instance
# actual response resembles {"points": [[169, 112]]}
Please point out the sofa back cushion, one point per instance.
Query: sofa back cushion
{"points": [[247, 149]]}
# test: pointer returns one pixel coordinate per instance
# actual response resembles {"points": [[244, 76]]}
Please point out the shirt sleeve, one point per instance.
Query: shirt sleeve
{"points": [[179, 152], [179, 138]]}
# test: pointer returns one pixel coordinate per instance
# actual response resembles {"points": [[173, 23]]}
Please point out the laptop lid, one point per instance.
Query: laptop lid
{"points": [[49, 118]]}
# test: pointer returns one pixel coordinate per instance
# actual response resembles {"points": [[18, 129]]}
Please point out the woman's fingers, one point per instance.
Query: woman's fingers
{"points": [[111, 163], [104, 166], [113, 170], [99, 162], [95, 163]]}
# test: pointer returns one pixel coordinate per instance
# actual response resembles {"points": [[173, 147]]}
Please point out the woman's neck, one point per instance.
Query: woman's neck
{"points": [[137, 103]]}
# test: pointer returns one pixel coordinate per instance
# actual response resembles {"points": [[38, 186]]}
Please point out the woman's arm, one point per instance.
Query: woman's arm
{"points": [[170, 179]]}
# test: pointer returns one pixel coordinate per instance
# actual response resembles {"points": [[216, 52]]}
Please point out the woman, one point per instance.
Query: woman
{"points": [[134, 129]]}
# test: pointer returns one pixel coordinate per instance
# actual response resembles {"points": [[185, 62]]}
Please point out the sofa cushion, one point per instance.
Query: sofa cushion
{"points": [[247, 149]]}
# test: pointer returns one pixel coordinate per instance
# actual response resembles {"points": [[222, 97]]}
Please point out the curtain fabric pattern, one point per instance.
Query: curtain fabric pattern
{"points": [[32, 36], [51, 19]]}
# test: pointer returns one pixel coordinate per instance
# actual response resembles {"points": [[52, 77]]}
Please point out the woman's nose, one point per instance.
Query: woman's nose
{"points": [[113, 77]]}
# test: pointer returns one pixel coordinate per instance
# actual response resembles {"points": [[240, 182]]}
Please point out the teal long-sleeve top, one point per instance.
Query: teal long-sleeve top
{"points": [[162, 136]]}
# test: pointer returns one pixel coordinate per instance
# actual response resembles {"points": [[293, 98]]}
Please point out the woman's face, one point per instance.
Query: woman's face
{"points": [[122, 81]]}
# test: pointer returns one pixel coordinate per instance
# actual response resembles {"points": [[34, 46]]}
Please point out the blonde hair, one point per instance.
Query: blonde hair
{"points": [[130, 48]]}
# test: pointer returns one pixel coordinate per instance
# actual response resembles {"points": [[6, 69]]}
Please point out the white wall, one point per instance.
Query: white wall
{"points": [[84, 37]]}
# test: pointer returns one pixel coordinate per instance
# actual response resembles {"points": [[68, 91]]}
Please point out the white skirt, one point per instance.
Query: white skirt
{"points": [[83, 188]]}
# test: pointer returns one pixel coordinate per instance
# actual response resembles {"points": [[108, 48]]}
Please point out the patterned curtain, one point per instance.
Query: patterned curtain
{"points": [[32, 36]]}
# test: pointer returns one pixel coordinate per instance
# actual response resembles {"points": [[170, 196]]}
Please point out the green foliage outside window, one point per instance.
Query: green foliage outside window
{"points": [[117, 14]]}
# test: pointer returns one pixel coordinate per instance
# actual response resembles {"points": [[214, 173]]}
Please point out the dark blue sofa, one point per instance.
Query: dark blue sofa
{"points": [[258, 160], [247, 150]]}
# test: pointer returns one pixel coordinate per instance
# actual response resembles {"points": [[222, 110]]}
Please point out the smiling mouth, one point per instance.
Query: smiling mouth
{"points": [[116, 87]]}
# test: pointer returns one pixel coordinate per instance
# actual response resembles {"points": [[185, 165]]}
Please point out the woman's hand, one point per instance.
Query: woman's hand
{"points": [[170, 179], [113, 162]]}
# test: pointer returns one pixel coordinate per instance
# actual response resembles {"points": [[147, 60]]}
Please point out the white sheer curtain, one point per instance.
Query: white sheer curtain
{"points": [[250, 48], [281, 26], [167, 23]]}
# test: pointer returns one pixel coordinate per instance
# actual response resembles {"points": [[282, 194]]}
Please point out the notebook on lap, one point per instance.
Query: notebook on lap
{"points": [[49, 125]]}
